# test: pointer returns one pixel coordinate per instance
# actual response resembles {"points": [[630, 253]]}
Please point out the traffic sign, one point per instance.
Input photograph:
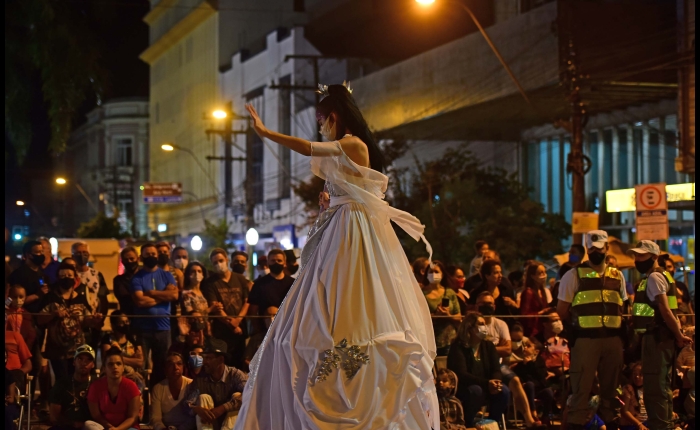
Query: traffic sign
{"points": [[162, 192], [651, 211]]}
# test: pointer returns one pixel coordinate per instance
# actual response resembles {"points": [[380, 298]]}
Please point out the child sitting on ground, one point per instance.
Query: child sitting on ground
{"points": [[451, 412]]}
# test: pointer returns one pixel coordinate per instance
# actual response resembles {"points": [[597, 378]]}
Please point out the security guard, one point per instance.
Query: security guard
{"points": [[654, 315], [591, 296]]}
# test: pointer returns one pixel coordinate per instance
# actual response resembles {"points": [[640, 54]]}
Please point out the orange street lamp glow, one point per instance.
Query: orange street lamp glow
{"points": [[425, 2], [167, 147], [219, 114], [61, 181]]}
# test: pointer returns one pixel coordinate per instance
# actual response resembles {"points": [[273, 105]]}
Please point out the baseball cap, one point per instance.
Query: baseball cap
{"points": [[215, 346], [596, 239], [84, 349], [646, 247]]}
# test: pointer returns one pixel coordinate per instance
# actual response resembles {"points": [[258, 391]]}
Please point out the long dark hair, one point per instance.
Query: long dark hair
{"points": [[188, 272], [340, 101]]}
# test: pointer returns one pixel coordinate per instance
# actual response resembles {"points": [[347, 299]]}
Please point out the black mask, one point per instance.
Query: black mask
{"points": [[66, 283], [276, 268], [487, 310], [196, 326], [292, 269], [150, 262], [238, 268], [38, 259], [130, 266], [644, 266], [123, 329], [163, 259], [81, 259], [596, 258]]}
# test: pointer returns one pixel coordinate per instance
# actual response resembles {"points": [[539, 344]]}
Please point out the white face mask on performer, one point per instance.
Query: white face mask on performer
{"points": [[327, 131], [434, 278]]}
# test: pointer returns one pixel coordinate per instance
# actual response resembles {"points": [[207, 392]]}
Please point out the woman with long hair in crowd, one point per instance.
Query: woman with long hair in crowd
{"points": [[192, 299], [352, 345], [534, 298], [443, 302]]}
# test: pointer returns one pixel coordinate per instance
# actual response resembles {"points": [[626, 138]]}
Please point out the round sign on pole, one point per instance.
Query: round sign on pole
{"points": [[651, 198]]}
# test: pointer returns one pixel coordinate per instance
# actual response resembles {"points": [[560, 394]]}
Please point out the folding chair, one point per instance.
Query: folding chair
{"points": [[21, 399]]}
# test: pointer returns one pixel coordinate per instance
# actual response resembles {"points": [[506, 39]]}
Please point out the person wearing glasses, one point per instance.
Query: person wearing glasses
{"points": [[68, 408], [168, 396]]}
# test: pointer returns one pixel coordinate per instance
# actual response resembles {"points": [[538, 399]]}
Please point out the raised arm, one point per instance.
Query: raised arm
{"points": [[296, 144]]}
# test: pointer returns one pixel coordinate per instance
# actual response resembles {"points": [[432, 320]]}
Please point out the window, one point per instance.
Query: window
{"points": [[285, 127], [124, 152]]}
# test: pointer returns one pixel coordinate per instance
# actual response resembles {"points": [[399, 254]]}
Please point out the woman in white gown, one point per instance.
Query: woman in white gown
{"points": [[352, 345]]}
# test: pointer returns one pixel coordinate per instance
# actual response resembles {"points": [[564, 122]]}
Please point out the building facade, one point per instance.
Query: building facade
{"points": [[105, 164]]}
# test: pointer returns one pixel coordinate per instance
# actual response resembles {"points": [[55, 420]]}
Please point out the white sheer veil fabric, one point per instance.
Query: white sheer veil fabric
{"points": [[355, 285]]}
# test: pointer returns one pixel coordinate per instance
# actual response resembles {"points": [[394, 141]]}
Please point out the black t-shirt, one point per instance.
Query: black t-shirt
{"points": [[122, 291], [232, 295], [268, 291], [32, 281], [72, 396]]}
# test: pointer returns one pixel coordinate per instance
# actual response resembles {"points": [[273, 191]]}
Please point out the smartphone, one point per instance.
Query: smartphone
{"points": [[445, 302]]}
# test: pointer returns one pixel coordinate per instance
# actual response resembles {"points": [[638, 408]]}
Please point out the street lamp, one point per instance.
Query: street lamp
{"points": [[196, 243], [219, 114], [62, 181], [252, 237], [20, 203], [169, 147]]}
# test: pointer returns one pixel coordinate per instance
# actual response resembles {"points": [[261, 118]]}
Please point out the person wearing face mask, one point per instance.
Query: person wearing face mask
{"points": [[262, 269], [30, 275], [18, 320], [50, 265], [193, 336], [442, 302], [192, 299], [269, 290], [64, 314], [491, 279], [555, 344], [475, 361], [456, 280], [534, 298], [96, 287], [576, 254], [181, 258], [292, 263], [122, 337], [152, 290], [122, 283], [228, 291], [685, 304], [654, 316], [239, 263], [591, 297]]}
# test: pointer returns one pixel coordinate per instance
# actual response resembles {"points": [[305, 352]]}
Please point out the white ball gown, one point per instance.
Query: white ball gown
{"points": [[352, 345]]}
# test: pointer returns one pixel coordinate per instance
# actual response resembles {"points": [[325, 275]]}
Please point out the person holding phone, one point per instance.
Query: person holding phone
{"points": [[443, 303]]}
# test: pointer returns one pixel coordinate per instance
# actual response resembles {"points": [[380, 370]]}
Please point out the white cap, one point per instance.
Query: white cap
{"points": [[596, 239]]}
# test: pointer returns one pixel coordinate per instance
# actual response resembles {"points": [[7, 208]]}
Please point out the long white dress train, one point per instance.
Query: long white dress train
{"points": [[352, 345]]}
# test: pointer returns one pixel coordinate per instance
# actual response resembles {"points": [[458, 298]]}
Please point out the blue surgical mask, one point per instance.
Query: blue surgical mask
{"points": [[195, 361]]}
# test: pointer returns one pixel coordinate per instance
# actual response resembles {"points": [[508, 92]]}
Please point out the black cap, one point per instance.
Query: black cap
{"points": [[215, 346]]}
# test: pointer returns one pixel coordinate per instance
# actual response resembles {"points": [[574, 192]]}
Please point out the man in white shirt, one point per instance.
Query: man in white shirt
{"points": [[168, 409], [591, 297]]}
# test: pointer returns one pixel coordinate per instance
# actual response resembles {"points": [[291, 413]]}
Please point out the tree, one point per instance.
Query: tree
{"points": [[101, 226], [52, 41]]}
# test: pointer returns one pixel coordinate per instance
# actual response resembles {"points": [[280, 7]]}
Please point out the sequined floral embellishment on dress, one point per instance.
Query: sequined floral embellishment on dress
{"points": [[353, 360]]}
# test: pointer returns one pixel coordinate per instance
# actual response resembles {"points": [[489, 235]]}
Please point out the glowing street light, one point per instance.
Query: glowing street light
{"points": [[61, 181], [252, 236], [20, 203], [167, 147], [219, 114], [425, 2], [196, 243]]}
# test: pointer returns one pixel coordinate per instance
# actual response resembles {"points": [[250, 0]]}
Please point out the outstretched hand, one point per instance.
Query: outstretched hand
{"points": [[258, 125]]}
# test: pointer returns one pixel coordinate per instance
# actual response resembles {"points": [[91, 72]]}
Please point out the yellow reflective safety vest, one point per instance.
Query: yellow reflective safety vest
{"points": [[644, 311], [597, 303]]}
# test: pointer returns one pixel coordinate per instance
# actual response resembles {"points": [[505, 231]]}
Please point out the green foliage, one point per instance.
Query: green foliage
{"points": [[214, 236], [461, 201], [101, 226], [51, 40]]}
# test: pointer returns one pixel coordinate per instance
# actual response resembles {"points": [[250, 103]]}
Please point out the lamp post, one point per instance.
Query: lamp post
{"points": [[169, 147], [63, 181]]}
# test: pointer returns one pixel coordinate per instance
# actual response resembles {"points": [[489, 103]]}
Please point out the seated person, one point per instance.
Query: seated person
{"points": [[475, 363], [516, 342], [451, 411], [114, 400], [68, 408], [553, 343], [532, 372], [122, 338], [633, 415], [168, 409], [190, 342], [594, 422], [213, 404]]}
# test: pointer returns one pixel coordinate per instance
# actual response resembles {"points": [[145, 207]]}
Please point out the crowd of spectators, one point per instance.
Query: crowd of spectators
{"points": [[504, 343], [178, 349]]}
